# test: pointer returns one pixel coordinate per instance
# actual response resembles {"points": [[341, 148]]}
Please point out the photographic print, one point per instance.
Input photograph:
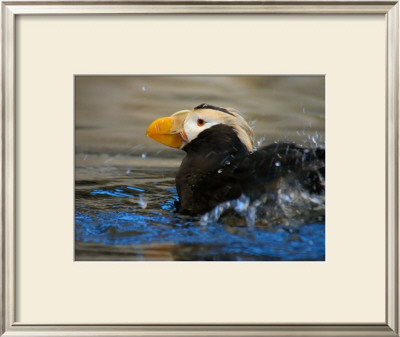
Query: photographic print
{"points": [[200, 168]]}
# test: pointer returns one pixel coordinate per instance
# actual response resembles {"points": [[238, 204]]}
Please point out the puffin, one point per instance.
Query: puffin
{"points": [[222, 162]]}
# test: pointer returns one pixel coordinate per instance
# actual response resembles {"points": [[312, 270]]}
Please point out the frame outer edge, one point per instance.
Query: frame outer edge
{"points": [[392, 304], [202, 330], [200, 6], [2, 273], [7, 197], [8, 169]]}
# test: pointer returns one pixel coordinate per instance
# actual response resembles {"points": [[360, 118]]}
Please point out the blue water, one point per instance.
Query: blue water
{"points": [[128, 213]]}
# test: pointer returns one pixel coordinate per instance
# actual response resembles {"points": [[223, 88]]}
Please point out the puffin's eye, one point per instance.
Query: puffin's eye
{"points": [[201, 122]]}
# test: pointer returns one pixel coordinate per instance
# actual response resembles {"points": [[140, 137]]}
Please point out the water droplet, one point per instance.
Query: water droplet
{"points": [[259, 142], [278, 163], [204, 220], [112, 158], [241, 204], [144, 155], [144, 88], [142, 203], [314, 140], [220, 171]]}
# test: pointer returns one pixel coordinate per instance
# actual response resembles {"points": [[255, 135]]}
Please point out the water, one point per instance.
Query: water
{"points": [[125, 188]]}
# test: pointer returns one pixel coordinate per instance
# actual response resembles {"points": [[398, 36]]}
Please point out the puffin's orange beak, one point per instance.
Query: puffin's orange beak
{"points": [[167, 130]]}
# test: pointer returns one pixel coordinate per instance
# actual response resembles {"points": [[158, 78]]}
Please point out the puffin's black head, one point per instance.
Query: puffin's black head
{"points": [[183, 127], [212, 107]]}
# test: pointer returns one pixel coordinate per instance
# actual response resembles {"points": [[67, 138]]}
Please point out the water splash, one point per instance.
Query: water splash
{"points": [[142, 203], [260, 142], [314, 138], [252, 123], [291, 205], [242, 206]]}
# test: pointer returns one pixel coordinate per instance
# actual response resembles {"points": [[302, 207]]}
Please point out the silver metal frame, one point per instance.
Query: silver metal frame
{"points": [[11, 9]]}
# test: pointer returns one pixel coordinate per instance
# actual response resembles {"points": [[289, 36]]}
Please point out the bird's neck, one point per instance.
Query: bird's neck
{"points": [[216, 145], [207, 154]]}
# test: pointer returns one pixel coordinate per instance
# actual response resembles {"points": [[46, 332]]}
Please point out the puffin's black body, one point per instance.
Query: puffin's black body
{"points": [[218, 168]]}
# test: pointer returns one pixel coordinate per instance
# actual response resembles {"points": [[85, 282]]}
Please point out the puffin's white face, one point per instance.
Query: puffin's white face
{"points": [[199, 120]]}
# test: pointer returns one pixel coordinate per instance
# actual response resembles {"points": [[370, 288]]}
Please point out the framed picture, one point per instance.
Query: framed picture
{"points": [[127, 205], [99, 236]]}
